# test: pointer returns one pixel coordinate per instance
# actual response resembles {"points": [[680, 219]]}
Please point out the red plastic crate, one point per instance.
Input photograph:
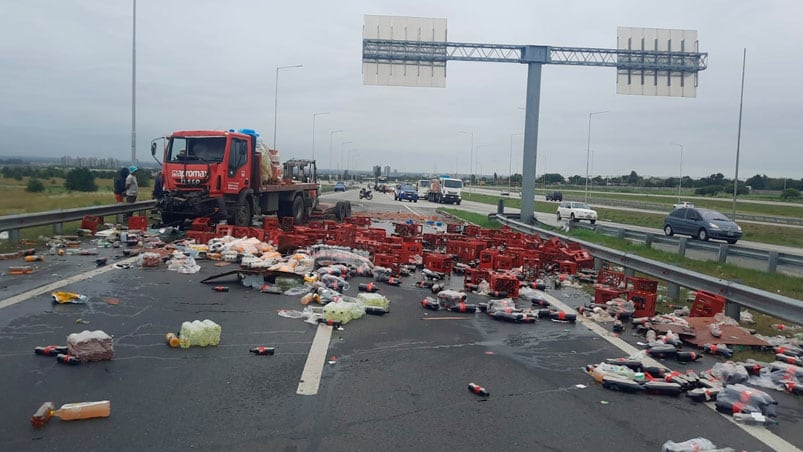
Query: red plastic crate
{"points": [[641, 284], [438, 262], [604, 293], [644, 303], [91, 222], [568, 267], [503, 282], [488, 258], [610, 278], [707, 304]]}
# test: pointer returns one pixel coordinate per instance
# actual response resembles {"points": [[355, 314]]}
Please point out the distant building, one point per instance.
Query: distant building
{"points": [[387, 171], [90, 162]]}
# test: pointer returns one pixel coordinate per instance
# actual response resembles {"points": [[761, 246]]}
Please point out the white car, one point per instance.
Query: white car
{"points": [[576, 211], [684, 204]]}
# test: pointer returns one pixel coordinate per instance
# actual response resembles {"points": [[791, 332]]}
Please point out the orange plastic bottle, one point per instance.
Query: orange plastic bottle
{"points": [[83, 410]]}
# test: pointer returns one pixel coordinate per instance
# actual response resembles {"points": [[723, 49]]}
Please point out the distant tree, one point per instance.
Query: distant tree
{"points": [[740, 190], [633, 178], [35, 186], [80, 179], [790, 193], [758, 182], [708, 190]]}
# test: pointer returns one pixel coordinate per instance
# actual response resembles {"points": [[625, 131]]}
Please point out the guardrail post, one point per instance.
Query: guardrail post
{"points": [[732, 310], [14, 235], [500, 207], [772, 262], [723, 253], [682, 246], [58, 228], [620, 233], [629, 272], [648, 240], [673, 291]]}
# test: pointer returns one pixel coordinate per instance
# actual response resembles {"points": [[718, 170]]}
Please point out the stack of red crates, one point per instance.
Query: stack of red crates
{"points": [[505, 282], [644, 294]]}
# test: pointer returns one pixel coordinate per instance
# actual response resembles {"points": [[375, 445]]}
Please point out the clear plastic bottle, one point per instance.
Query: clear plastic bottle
{"points": [[752, 418]]}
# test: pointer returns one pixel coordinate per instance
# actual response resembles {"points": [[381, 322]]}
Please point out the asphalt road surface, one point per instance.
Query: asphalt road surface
{"points": [[392, 382]]}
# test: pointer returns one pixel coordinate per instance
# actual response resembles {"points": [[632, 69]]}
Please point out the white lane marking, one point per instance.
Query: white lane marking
{"points": [[58, 284], [760, 433], [411, 210], [313, 368]]}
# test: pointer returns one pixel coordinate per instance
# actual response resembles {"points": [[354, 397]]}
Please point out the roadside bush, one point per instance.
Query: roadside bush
{"points": [[35, 186], [711, 190], [790, 193], [80, 179]]}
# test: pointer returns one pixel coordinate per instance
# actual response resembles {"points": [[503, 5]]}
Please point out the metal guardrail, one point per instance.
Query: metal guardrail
{"points": [[13, 223], [778, 306]]}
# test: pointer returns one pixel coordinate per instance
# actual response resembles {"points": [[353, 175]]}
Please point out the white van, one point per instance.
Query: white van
{"points": [[423, 188]]}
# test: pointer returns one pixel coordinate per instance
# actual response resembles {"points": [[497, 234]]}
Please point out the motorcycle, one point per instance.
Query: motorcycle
{"points": [[366, 194]]}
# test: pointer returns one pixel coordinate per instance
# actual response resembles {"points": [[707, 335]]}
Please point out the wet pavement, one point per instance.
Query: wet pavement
{"points": [[397, 382]]}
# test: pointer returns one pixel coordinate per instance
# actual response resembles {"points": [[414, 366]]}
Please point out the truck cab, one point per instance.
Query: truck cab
{"points": [[231, 175]]}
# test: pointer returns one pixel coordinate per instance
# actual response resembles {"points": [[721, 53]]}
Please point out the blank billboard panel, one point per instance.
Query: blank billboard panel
{"points": [[665, 76], [404, 64]]}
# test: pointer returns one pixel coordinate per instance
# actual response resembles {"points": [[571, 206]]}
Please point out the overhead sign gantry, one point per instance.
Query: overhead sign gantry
{"points": [[413, 51]]}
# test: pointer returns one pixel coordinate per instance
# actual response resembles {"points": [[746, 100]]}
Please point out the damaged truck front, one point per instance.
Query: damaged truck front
{"points": [[231, 175]]}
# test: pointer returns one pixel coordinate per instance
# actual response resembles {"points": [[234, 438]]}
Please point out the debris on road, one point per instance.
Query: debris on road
{"points": [[91, 345], [68, 297], [70, 411]]}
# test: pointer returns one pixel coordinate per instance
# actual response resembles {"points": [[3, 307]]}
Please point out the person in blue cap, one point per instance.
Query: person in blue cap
{"points": [[131, 185]]}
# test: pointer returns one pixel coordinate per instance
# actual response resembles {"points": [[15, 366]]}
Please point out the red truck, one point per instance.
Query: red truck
{"points": [[231, 175]]}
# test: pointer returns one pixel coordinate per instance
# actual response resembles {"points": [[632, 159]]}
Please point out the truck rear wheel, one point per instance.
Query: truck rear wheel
{"points": [[299, 212]]}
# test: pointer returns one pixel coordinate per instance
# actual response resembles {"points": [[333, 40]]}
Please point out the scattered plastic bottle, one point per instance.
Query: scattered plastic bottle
{"points": [[172, 340], [51, 350], [718, 349], [650, 336], [393, 281], [68, 359], [368, 287], [263, 351], [686, 357], [713, 328], [752, 418], [430, 303], [464, 307], [375, 310], [435, 288], [71, 411], [332, 323], [34, 258], [477, 389], [220, 289]]}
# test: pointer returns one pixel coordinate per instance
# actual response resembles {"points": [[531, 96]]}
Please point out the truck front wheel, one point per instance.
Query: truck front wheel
{"points": [[241, 214]]}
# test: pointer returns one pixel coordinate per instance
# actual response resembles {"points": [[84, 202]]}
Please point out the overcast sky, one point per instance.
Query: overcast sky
{"points": [[65, 84]]}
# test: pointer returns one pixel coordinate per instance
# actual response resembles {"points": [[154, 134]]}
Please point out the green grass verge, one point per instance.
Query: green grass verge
{"points": [[773, 234]]}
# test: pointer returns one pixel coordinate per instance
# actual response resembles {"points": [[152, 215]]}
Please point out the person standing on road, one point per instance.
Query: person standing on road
{"points": [[158, 186], [119, 184], [131, 186]]}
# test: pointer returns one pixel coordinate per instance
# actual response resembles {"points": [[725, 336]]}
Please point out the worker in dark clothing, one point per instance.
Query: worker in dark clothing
{"points": [[119, 184]]}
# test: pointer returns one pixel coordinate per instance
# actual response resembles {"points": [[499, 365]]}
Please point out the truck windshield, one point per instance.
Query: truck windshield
{"points": [[196, 149], [452, 183]]}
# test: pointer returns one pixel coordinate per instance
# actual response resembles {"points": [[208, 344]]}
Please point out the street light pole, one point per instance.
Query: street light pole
{"points": [[680, 174], [276, 99], [315, 115], [588, 147], [471, 156], [738, 138], [331, 132], [343, 144], [134, 85]]}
